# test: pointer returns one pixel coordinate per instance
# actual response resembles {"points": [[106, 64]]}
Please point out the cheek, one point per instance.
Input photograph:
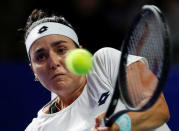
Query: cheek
{"points": [[44, 79], [41, 72], [64, 63], [42, 75]]}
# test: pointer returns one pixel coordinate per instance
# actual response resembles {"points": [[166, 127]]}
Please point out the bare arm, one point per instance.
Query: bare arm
{"points": [[154, 117], [158, 114]]}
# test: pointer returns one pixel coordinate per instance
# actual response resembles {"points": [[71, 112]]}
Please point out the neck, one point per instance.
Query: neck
{"points": [[69, 98]]}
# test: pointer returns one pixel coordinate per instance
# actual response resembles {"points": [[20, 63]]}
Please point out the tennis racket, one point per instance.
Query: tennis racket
{"points": [[140, 84]]}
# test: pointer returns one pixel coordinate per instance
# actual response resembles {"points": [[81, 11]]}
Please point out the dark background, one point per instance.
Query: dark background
{"points": [[98, 23]]}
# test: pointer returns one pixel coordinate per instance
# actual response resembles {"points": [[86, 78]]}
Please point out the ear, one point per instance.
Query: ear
{"points": [[30, 64], [36, 77]]}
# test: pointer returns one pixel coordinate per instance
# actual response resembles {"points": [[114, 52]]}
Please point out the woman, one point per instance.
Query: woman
{"points": [[81, 100]]}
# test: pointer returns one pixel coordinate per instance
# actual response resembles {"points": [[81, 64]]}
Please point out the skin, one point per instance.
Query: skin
{"points": [[48, 64]]}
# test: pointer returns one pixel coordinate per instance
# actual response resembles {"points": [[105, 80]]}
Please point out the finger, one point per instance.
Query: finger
{"points": [[97, 124], [101, 116], [98, 119]]}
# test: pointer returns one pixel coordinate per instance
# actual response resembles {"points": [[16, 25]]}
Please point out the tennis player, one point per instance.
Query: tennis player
{"points": [[81, 100]]}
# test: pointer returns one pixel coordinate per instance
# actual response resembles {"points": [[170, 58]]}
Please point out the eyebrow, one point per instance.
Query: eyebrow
{"points": [[58, 42], [53, 45], [39, 50]]}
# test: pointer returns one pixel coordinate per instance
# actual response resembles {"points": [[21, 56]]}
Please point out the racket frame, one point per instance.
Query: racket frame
{"points": [[110, 118]]}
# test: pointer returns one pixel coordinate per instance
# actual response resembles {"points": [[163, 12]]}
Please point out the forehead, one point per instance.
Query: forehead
{"points": [[47, 41]]}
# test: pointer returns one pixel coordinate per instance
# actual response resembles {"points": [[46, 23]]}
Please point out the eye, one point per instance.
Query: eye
{"points": [[61, 50], [41, 57]]}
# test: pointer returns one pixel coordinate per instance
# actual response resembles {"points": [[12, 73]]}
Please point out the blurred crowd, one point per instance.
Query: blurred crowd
{"points": [[98, 23]]}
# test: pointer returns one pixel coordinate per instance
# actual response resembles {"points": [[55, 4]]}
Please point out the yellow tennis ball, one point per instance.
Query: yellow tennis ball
{"points": [[79, 61]]}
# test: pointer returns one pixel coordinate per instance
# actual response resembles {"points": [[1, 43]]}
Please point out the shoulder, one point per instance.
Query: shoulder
{"points": [[106, 51], [32, 126], [105, 67], [106, 55]]}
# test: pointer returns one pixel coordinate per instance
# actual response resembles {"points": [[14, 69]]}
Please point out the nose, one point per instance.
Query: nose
{"points": [[54, 61]]}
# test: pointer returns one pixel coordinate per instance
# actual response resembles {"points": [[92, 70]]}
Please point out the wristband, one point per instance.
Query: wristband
{"points": [[124, 122]]}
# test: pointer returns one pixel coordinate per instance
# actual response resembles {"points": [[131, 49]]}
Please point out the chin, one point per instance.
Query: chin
{"points": [[59, 85]]}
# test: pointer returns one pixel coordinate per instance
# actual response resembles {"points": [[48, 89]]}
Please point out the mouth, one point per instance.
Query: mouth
{"points": [[56, 75]]}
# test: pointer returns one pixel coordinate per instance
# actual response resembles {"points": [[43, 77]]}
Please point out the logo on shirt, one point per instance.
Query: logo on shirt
{"points": [[103, 98], [42, 29]]}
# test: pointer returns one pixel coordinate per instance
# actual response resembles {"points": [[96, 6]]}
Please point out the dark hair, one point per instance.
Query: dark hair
{"points": [[39, 16]]}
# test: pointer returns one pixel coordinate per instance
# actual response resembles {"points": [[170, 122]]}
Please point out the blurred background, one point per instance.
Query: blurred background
{"points": [[98, 23]]}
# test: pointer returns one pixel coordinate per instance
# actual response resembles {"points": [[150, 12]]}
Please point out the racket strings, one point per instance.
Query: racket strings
{"points": [[135, 85], [143, 42], [141, 86], [146, 41]]}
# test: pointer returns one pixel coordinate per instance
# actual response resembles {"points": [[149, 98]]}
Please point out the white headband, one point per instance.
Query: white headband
{"points": [[49, 28]]}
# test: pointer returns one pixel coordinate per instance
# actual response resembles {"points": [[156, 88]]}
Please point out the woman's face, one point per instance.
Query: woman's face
{"points": [[48, 63]]}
